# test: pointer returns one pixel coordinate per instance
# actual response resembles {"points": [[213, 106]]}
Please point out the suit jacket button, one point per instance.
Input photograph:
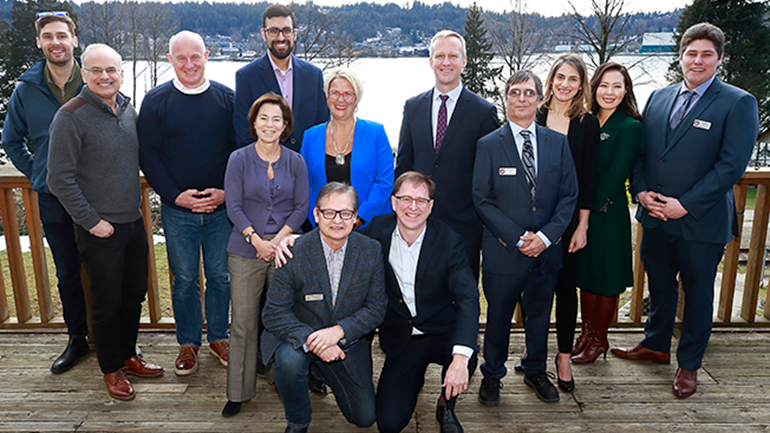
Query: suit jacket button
{"points": [[534, 208], [660, 186], [435, 165], [400, 301], [293, 141]]}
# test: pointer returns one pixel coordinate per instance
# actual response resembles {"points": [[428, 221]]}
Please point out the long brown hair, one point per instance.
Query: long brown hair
{"points": [[579, 105], [628, 104]]}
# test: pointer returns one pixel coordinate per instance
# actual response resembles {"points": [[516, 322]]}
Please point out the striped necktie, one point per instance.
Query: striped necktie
{"points": [[528, 158]]}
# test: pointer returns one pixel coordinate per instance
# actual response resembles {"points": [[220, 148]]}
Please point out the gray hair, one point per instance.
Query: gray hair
{"points": [[93, 47], [347, 74], [337, 188], [521, 77], [187, 33], [447, 34]]}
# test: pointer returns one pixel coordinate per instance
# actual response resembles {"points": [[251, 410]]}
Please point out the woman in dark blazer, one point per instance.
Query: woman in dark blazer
{"points": [[349, 150], [565, 109], [605, 264]]}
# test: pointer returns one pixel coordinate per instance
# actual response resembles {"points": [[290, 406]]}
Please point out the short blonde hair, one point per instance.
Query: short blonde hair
{"points": [[446, 34], [347, 74]]}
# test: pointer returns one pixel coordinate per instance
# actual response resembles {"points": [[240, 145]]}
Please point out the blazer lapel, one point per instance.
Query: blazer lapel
{"points": [[317, 262], [457, 118], [426, 132], [349, 268], [268, 75], [426, 253], [512, 153], [703, 102], [298, 85]]}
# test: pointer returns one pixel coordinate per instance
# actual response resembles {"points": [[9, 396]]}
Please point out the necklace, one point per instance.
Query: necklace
{"points": [[340, 158]]}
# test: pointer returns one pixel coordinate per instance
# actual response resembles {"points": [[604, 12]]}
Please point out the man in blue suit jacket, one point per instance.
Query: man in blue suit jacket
{"points": [[319, 308], [449, 161], [299, 82], [698, 138], [525, 190]]}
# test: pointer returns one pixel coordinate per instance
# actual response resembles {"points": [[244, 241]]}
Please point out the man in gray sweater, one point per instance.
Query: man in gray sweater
{"points": [[93, 169]]}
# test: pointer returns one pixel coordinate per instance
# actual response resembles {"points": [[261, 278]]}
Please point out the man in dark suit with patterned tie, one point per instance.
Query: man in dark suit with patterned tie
{"points": [[438, 138], [525, 190], [698, 138]]}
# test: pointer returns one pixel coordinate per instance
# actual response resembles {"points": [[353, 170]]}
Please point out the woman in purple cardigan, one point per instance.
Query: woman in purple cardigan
{"points": [[266, 187]]}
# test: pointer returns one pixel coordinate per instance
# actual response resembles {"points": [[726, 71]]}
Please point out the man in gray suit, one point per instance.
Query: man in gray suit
{"points": [[525, 190], [319, 308], [698, 138]]}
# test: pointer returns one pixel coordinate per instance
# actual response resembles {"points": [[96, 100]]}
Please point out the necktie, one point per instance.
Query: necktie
{"points": [[679, 114], [441, 123], [528, 158]]}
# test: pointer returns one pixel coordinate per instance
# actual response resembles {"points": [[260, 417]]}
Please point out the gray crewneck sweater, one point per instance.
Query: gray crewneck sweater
{"points": [[93, 161]]}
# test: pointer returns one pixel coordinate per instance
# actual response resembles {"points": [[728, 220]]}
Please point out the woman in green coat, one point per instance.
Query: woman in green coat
{"points": [[605, 264]]}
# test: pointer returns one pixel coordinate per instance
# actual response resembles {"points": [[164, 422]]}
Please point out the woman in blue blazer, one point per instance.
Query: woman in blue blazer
{"points": [[350, 150]]}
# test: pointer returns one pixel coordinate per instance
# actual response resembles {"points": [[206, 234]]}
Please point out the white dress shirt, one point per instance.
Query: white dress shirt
{"points": [[451, 102], [403, 259]]}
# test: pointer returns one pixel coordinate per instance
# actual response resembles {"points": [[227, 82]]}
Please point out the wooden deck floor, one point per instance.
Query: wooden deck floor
{"points": [[610, 396]]}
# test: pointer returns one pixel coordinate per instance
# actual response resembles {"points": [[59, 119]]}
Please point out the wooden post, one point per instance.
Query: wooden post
{"points": [[3, 299], [15, 259], [37, 248], [730, 270], [637, 292], [153, 297], [756, 254]]}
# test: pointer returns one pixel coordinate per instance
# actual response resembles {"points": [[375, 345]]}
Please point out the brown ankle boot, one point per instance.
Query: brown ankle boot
{"points": [[604, 311], [586, 318]]}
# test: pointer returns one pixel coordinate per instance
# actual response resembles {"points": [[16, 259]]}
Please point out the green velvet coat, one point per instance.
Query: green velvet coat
{"points": [[605, 263]]}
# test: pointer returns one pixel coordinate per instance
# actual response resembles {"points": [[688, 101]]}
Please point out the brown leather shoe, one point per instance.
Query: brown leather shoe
{"points": [[139, 367], [187, 361], [220, 349], [642, 353], [685, 382], [118, 386]]}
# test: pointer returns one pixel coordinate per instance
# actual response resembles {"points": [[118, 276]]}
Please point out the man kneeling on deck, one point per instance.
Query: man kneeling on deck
{"points": [[320, 306]]}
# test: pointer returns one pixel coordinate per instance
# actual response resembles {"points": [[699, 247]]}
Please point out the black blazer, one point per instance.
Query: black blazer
{"points": [[446, 294], [452, 167]]}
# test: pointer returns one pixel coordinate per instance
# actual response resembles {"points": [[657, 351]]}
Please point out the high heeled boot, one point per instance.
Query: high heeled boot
{"points": [[586, 317], [604, 311]]}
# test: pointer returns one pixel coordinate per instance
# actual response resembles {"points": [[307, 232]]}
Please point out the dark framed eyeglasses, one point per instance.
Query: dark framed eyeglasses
{"points": [[54, 13], [274, 31], [330, 214], [98, 71], [407, 200]]}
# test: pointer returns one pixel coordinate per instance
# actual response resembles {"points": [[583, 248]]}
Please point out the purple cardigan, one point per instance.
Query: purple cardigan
{"points": [[247, 193]]}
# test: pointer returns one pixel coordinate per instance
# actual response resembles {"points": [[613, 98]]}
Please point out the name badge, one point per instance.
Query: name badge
{"points": [[507, 171], [702, 124], [314, 297]]}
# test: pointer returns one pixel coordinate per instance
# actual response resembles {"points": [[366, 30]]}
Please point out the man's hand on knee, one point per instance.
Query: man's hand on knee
{"points": [[456, 378]]}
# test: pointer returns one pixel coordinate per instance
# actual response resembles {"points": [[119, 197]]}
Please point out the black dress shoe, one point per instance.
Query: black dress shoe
{"points": [[232, 408], [489, 392], [565, 385], [76, 348], [543, 387], [290, 429], [316, 386], [447, 420]]}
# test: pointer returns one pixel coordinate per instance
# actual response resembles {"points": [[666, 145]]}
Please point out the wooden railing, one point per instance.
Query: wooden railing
{"points": [[22, 316]]}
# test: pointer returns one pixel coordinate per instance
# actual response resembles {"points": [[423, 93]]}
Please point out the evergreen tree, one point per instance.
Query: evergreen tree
{"points": [[479, 76], [18, 50], [746, 60]]}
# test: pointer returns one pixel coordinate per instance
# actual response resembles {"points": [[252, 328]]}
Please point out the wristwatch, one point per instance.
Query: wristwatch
{"points": [[249, 235]]}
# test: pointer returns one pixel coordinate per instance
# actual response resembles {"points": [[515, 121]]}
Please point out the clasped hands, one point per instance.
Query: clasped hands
{"points": [[323, 343], [660, 206], [532, 245], [205, 201]]}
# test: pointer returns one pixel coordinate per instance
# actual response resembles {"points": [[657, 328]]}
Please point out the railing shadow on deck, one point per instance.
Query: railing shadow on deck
{"points": [[22, 317]]}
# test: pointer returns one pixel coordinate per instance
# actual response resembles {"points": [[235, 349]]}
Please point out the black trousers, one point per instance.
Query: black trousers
{"points": [[403, 376], [117, 266]]}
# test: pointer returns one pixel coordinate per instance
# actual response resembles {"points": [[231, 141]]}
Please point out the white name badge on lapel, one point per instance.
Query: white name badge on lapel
{"points": [[314, 297], [507, 171], [702, 124]]}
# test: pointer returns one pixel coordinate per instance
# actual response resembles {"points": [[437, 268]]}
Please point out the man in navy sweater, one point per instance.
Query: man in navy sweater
{"points": [[45, 87], [185, 138]]}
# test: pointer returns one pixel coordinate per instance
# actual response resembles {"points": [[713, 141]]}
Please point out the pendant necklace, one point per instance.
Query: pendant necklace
{"points": [[340, 158]]}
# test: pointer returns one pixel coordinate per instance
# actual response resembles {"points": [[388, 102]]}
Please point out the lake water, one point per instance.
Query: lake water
{"points": [[389, 82]]}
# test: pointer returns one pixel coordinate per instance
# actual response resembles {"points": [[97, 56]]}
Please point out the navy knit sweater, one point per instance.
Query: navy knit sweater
{"points": [[185, 140]]}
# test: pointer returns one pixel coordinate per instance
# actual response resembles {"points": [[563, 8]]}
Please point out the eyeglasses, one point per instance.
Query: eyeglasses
{"points": [[98, 71], [54, 13], [330, 214], [529, 93], [407, 200], [273, 31], [347, 96]]}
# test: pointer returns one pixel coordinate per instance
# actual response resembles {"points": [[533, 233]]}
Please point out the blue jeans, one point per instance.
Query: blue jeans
{"points": [[291, 369], [186, 233]]}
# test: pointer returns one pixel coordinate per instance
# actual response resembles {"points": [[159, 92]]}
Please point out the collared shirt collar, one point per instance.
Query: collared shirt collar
{"points": [[275, 66], [700, 90], [188, 91], [516, 129], [418, 242], [453, 94]]}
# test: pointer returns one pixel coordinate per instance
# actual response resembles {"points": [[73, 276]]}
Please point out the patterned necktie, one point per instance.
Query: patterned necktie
{"points": [[679, 114], [528, 158], [441, 123]]}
